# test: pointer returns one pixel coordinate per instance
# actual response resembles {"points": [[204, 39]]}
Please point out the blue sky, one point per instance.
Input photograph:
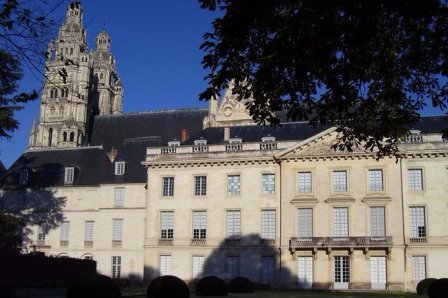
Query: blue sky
{"points": [[156, 45]]}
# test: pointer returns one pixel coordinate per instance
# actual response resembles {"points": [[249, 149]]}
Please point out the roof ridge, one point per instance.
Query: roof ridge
{"points": [[151, 112]]}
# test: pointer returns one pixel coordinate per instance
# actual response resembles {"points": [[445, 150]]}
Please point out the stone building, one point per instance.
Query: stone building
{"points": [[196, 192]]}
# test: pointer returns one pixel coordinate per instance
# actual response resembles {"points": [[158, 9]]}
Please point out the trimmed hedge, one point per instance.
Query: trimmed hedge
{"points": [[95, 286], [241, 284], [211, 286], [168, 286], [423, 285], [438, 289]]}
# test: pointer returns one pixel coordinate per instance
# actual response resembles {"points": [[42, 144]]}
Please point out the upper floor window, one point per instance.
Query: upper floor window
{"points": [[65, 231], [339, 180], [119, 197], [415, 179], [69, 175], [268, 183], [233, 185], [304, 182], [117, 229], [376, 180], [200, 185], [168, 186], [233, 223], [120, 167], [305, 222], [88, 230], [199, 224], [417, 223], [268, 224], [166, 225], [23, 177]]}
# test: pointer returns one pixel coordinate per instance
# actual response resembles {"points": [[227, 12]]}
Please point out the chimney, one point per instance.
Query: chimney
{"points": [[226, 134], [184, 135]]}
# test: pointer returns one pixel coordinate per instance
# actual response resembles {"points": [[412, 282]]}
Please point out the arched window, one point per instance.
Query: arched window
{"points": [[52, 110], [72, 136], [64, 92], [87, 257], [50, 136], [101, 76], [55, 93], [64, 136], [61, 111]]}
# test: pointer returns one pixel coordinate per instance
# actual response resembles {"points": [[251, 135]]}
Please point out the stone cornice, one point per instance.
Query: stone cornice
{"points": [[158, 164]]}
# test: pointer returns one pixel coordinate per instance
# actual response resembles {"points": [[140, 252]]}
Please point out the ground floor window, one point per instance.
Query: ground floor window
{"points": [[116, 267], [165, 265], [378, 272], [267, 269], [198, 266], [232, 267], [419, 267], [305, 272], [341, 272]]}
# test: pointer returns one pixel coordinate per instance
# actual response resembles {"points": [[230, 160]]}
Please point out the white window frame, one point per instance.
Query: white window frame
{"points": [[233, 224], [417, 222], [375, 178], [341, 222], [120, 168], [268, 183], [65, 229], [415, 179], [116, 267], [304, 182], [339, 181], [198, 267], [268, 224], [119, 193], [232, 267], [40, 233], [199, 224], [377, 216], [69, 175], [166, 224], [233, 185], [89, 226], [305, 222], [117, 229], [200, 185], [165, 264], [168, 186], [419, 268], [267, 269]]}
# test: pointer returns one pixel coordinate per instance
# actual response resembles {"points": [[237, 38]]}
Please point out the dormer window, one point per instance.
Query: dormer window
{"points": [[414, 136], [173, 143], [23, 177], [235, 140], [268, 138], [201, 141], [120, 167], [69, 175]]}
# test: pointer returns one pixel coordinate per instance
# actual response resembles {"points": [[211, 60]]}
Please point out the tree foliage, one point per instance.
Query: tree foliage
{"points": [[11, 235], [367, 67], [25, 27]]}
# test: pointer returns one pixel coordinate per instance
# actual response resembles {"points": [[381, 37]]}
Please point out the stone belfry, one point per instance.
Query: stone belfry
{"points": [[79, 85]]}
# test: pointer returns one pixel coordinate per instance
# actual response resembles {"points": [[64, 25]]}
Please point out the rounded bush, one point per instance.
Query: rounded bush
{"points": [[211, 286], [168, 286], [95, 286], [241, 284], [438, 288], [6, 290], [423, 285]]}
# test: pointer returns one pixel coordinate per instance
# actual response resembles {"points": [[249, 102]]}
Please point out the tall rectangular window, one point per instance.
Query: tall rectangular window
{"points": [[233, 223], [23, 177], [417, 222], [117, 229], [305, 222], [233, 185], [166, 224], [340, 181], [120, 168], [168, 186], [200, 185], [267, 269], [232, 267], [88, 230], [119, 197], [65, 231], [69, 175], [116, 267], [304, 182], [268, 183], [376, 180], [40, 234], [340, 222], [165, 265], [198, 266], [415, 179], [199, 224], [377, 221], [268, 224], [419, 267]]}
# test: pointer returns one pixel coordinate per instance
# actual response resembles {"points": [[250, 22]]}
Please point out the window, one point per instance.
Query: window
{"points": [[198, 266], [165, 265], [417, 223], [232, 267], [268, 224], [267, 269], [419, 267], [22, 200], [117, 229], [119, 197], [233, 223], [168, 186], [340, 181], [340, 222], [69, 175], [304, 182], [65, 232], [377, 222], [116, 267], [268, 182], [40, 234], [415, 179], [199, 224], [376, 180], [88, 230], [23, 177], [166, 224], [233, 185], [200, 185], [305, 222], [120, 167]]}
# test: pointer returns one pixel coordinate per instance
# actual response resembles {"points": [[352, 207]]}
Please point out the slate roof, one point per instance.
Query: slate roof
{"points": [[2, 168]]}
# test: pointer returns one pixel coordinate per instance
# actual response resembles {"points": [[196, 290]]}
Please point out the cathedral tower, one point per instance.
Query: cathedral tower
{"points": [[79, 85]]}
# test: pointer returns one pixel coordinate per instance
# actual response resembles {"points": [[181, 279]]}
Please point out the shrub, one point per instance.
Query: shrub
{"points": [[211, 286], [241, 284], [438, 289], [94, 286], [6, 290], [422, 286], [167, 286]]}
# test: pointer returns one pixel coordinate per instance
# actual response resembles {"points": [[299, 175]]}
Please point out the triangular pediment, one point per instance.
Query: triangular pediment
{"points": [[320, 145]]}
